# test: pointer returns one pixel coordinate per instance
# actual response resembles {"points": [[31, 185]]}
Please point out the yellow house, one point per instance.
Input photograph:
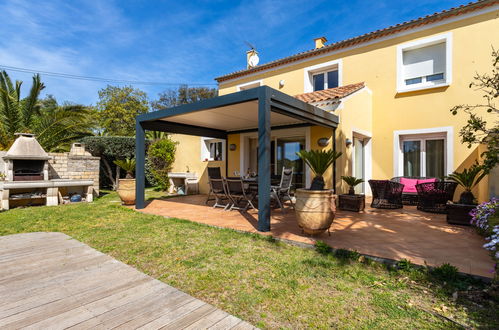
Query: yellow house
{"points": [[391, 89]]}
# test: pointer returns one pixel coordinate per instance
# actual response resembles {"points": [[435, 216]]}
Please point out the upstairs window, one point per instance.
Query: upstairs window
{"points": [[323, 76], [424, 64], [250, 85], [325, 80]]}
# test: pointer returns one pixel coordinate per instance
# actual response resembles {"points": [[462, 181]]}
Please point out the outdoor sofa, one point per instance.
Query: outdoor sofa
{"points": [[410, 193]]}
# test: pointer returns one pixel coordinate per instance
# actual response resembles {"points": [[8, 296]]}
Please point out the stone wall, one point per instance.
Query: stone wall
{"points": [[76, 164], [2, 163]]}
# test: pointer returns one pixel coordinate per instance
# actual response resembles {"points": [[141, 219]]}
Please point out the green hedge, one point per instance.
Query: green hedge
{"points": [[109, 149]]}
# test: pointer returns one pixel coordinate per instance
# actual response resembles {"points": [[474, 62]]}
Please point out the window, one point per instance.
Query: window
{"points": [[322, 76], [424, 63], [423, 156], [212, 149], [250, 85], [215, 150], [325, 80]]}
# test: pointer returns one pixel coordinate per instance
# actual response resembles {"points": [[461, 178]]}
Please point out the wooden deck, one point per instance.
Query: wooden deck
{"points": [[51, 281]]}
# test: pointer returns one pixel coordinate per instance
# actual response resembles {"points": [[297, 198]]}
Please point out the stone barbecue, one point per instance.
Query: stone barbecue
{"points": [[32, 176]]}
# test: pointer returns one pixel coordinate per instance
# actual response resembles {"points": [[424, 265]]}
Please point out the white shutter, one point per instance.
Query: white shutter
{"points": [[424, 61]]}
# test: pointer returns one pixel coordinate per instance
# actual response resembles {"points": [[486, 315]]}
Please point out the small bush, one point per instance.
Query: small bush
{"points": [[160, 156], [347, 254], [322, 247], [404, 264], [445, 273]]}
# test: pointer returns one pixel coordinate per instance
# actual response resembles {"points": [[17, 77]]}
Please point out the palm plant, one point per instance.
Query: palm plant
{"points": [[351, 181], [55, 126], [318, 161], [127, 165], [468, 179], [17, 114], [156, 135]]}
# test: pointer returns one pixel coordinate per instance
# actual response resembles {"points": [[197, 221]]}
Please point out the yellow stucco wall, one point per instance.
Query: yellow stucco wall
{"points": [[234, 159], [376, 65], [316, 133], [188, 155], [355, 116]]}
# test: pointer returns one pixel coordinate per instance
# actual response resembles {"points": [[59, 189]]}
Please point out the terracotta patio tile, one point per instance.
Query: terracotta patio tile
{"points": [[393, 234]]}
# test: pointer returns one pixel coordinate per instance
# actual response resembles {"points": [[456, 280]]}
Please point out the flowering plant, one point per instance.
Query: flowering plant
{"points": [[485, 219], [493, 244], [481, 215]]}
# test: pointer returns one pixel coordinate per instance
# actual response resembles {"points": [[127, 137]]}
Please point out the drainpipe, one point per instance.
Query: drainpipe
{"points": [[334, 165]]}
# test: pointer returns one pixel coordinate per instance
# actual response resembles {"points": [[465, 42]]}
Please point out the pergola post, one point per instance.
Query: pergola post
{"points": [[263, 160], [140, 157]]}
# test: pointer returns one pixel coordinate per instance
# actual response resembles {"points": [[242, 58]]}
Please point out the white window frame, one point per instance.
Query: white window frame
{"points": [[437, 133], [401, 86], [249, 85], [310, 71], [366, 137], [205, 149]]}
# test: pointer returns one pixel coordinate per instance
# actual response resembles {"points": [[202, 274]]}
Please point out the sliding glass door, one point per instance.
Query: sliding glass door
{"points": [[435, 158], [423, 157], [283, 154], [287, 158]]}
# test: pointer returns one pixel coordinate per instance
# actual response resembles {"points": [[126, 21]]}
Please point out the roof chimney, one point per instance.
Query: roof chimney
{"points": [[251, 58], [320, 42]]}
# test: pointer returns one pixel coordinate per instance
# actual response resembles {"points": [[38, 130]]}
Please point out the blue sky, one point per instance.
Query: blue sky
{"points": [[175, 41]]}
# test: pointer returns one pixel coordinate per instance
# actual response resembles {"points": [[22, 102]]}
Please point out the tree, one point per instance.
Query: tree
{"points": [[55, 126], [109, 149], [183, 95], [118, 107], [161, 156], [478, 130], [17, 113]]}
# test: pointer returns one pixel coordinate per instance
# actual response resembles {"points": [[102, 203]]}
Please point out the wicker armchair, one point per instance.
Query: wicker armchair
{"points": [[386, 194], [433, 196], [411, 198]]}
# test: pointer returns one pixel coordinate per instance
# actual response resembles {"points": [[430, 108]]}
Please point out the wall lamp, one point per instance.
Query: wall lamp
{"points": [[323, 142], [348, 142]]}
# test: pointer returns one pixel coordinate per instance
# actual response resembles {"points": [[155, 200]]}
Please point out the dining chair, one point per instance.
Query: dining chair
{"points": [[282, 191], [213, 173], [219, 190], [238, 193]]}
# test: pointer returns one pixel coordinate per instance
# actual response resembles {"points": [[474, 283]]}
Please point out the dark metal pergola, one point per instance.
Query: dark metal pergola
{"points": [[206, 118]]}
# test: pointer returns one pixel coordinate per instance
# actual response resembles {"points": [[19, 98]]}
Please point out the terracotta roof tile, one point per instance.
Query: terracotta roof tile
{"points": [[331, 93], [415, 23]]}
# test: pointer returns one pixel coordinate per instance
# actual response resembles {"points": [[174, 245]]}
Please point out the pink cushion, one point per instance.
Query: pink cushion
{"points": [[409, 185], [427, 180]]}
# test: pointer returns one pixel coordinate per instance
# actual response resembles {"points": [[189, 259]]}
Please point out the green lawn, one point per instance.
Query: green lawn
{"points": [[267, 283]]}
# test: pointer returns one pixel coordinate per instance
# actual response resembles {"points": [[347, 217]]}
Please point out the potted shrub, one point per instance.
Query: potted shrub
{"points": [[315, 207], [352, 201], [126, 187], [458, 213]]}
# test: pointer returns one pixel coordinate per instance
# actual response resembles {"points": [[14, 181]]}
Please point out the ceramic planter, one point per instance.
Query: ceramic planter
{"points": [[315, 210], [126, 191]]}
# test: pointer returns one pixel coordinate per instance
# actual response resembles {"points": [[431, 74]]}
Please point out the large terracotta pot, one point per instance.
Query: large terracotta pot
{"points": [[126, 191], [315, 210]]}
